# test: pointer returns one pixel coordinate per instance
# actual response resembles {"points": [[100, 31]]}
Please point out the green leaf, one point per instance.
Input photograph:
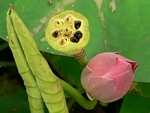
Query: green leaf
{"points": [[139, 102], [141, 89], [127, 31], [15, 103], [37, 14], [124, 30], [66, 68], [134, 103]]}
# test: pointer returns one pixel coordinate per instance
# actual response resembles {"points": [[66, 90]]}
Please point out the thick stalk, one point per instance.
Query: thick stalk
{"points": [[81, 57], [86, 104]]}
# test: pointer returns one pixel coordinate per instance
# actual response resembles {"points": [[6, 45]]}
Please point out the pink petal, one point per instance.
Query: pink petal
{"points": [[102, 63], [121, 67], [101, 88], [133, 63], [85, 76], [123, 83]]}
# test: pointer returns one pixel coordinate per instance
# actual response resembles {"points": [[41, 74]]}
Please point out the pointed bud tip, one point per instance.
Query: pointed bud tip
{"points": [[10, 9]]}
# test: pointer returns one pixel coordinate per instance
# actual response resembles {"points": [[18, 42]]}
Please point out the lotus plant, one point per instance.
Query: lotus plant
{"points": [[108, 76], [42, 85]]}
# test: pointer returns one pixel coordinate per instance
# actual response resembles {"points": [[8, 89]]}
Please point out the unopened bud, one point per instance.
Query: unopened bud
{"points": [[108, 76]]}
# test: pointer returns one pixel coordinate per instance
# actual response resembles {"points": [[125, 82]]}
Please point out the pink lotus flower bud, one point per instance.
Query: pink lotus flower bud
{"points": [[108, 76]]}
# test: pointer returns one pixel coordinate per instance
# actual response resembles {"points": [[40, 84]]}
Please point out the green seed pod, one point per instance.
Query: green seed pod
{"points": [[42, 85], [68, 32]]}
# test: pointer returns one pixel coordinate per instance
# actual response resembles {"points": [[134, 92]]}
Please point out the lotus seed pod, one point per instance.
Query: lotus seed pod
{"points": [[108, 76], [68, 32]]}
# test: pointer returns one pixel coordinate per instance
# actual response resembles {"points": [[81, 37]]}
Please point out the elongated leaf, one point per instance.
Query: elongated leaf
{"points": [[49, 85], [34, 96]]}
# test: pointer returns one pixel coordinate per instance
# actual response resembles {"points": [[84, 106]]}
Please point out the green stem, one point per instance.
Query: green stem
{"points": [[83, 61], [80, 90], [82, 101], [81, 57]]}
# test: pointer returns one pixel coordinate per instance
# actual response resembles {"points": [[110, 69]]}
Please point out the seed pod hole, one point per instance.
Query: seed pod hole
{"points": [[77, 24], [78, 34], [62, 41], [67, 32], [58, 23], [56, 34], [69, 20], [74, 39]]}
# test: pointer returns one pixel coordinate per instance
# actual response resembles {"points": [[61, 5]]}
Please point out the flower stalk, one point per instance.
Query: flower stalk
{"points": [[81, 57], [86, 104]]}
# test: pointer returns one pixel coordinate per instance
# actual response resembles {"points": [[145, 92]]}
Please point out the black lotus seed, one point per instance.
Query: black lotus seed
{"points": [[78, 34], [74, 39], [55, 34], [77, 24]]}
